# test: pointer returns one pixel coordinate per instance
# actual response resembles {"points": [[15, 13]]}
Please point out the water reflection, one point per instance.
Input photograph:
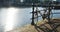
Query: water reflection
{"points": [[10, 18], [13, 17]]}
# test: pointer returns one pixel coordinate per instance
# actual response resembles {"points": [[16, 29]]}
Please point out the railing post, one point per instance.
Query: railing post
{"points": [[32, 23], [49, 10]]}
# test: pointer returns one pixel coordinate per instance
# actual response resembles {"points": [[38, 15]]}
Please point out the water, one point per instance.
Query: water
{"points": [[13, 17]]}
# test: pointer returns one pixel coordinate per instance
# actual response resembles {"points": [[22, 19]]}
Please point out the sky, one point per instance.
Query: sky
{"points": [[21, 0], [54, 0]]}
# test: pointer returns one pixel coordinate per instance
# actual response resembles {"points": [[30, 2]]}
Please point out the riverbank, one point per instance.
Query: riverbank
{"points": [[30, 28]]}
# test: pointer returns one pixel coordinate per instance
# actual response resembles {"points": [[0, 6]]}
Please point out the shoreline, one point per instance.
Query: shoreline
{"points": [[30, 28]]}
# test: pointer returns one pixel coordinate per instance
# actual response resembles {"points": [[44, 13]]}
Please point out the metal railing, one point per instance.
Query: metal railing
{"points": [[53, 25]]}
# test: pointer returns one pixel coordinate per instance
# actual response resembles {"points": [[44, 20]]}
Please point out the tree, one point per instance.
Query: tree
{"points": [[28, 1], [35, 1]]}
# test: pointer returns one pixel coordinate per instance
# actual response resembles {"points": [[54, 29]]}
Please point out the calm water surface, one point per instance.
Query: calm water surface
{"points": [[13, 17]]}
